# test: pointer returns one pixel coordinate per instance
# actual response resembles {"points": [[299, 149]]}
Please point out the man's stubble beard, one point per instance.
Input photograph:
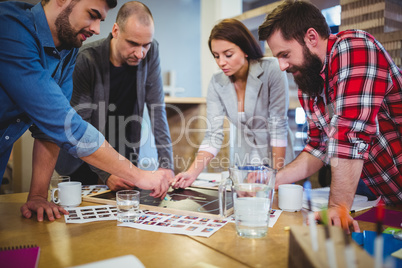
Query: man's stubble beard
{"points": [[309, 80], [65, 32]]}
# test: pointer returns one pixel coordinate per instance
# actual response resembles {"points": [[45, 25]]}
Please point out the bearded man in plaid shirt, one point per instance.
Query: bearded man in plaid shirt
{"points": [[351, 91]]}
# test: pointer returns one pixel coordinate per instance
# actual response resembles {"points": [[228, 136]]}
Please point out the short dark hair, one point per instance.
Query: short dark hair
{"points": [[237, 33], [139, 9], [110, 3], [293, 19]]}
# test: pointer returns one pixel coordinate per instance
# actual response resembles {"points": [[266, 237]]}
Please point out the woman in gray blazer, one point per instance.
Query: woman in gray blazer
{"points": [[252, 92]]}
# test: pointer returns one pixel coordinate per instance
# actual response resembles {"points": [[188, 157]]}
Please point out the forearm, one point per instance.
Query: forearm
{"points": [[201, 161], [185, 179], [43, 162], [344, 179], [108, 159], [278, 157], [302, 167]]}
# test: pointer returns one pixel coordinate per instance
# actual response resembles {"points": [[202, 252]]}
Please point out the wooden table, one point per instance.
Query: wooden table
{"points": [[65, 245], [270, 251]]}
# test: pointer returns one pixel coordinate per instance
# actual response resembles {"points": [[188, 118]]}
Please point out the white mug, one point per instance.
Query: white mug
{"points": [[69, 194], [290, 197]]}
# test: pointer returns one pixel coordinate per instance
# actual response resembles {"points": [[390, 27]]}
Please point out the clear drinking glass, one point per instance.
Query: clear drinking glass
{"points": [[128, 205], [253, 191], [252, 204]]}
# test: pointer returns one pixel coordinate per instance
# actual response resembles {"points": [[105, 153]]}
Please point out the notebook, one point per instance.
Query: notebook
{"points": [[19, 257]]}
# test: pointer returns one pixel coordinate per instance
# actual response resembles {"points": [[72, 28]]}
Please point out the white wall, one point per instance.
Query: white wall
{"points": [[199, 69], [177, 29], [212, 11]]}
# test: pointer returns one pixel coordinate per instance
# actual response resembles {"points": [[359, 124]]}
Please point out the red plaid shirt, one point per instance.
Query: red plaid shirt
{"points": [[363, 118]]}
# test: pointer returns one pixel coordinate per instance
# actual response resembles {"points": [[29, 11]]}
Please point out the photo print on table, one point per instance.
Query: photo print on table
{"points": [[91, 213]]}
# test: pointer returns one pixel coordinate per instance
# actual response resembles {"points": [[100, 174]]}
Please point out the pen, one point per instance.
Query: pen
{"points": [[349, 252], [329, 244], [379, 241], [253, 167], [350, 257], [311, 217], [206, 180]]}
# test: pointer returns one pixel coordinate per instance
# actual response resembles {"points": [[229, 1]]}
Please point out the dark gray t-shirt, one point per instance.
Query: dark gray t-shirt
{"points": [[122, 127]]}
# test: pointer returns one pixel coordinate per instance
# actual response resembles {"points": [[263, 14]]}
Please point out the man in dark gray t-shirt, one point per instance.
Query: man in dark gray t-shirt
{"points": [[113, 79]]}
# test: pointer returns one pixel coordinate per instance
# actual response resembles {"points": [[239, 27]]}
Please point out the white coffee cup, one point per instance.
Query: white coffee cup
{"points": [[290, 197], [69, 194]]}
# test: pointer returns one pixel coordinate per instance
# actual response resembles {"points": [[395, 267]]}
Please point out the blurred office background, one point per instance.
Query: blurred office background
{"points": [[182, 28]]}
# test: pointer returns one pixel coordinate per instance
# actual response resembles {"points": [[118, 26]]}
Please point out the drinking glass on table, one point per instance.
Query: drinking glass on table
{"points": [[128, 205], [253, 189]]}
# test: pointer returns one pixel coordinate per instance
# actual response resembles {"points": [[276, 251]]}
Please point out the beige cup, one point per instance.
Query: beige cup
{"points": [[290, 197]]}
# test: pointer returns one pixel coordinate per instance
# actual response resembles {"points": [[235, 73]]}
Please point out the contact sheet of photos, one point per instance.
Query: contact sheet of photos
{"points": [[149, 220], [93, 189], [91, 213], [176, 224], [273, 217], [156, 221]]}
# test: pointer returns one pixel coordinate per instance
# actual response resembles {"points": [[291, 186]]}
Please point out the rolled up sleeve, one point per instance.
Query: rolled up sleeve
{"points": [[33, 90]]}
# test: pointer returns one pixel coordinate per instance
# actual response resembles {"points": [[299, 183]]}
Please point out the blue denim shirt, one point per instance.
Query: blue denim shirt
{"points": [[36, 84]]}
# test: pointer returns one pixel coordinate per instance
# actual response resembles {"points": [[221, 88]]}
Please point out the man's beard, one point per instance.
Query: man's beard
{"points": [[308, 79], [65, 32]]}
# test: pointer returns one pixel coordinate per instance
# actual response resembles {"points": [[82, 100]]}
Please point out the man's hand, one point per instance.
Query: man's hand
{"points": [[116, 183], [157, 181], [345, 175], [168, 173], [39, 205], [43, 161], [339, 216], [183, 180]]}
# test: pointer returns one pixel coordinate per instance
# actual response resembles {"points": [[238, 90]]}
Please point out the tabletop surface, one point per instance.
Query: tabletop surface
{"points": [[65, 245]]}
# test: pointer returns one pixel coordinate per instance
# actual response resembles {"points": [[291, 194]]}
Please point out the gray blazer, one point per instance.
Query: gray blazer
{"points": [[266, 105], [91, 99]]}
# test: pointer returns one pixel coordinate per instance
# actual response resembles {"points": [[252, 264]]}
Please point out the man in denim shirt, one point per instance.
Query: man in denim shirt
{"points": [[39, 45]]}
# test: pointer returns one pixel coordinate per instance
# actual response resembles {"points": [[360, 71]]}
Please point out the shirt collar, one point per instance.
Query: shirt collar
{"points": [[42, 27], [322, 72], [331, 40], [254, 69]]}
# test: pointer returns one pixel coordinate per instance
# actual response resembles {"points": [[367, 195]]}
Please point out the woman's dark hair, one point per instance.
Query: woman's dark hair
{"points": [[234, 31], [293, 19]]}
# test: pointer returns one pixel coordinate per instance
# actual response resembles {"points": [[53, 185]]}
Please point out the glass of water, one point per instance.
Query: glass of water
{"points": [[128, 205], [252, 204], [253, 190]]}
